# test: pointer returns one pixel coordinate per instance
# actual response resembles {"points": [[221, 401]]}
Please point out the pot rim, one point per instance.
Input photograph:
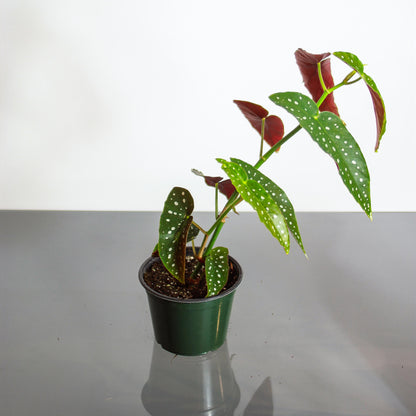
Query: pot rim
{"points": [[148, 289]]}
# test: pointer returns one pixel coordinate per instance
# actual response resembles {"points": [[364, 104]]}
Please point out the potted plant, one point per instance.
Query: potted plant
{"points": [[190, 289]]}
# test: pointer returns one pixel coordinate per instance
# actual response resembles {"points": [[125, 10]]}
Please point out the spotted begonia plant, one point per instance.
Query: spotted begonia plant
{"points": [[319, 116]]}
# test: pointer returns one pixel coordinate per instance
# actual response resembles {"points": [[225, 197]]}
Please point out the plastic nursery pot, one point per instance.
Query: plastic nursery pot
{"points": [[190, 326]]}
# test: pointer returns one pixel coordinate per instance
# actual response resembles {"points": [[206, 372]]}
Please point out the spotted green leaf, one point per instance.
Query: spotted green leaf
{"points": [[277, 194], [216, 270], [192, 234], [332, 136], [378, 103], [175, 222], [256, 195]]}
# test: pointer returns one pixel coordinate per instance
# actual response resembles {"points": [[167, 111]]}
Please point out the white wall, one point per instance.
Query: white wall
{"points": [[106, 105]]}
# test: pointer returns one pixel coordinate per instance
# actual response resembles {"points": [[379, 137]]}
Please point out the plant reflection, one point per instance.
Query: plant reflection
{"points": [[201, 385]]}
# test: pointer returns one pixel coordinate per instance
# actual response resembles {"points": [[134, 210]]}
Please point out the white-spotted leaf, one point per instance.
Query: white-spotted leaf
{"points": [[332, 136], [175, 222], [256, 195], [378, 103], [277, 194], [216, 270], [192, 234]]}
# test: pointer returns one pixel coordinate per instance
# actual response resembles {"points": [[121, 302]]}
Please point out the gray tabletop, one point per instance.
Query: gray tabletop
{"points": [[332, 335]]}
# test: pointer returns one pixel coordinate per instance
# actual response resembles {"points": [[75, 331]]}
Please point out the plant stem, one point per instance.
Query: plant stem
{"points": [[329, 91], [203, 254], [321, 78], [199, 227], [263, 125], [216, 229], [276, 146], [216, 200], [214, 237], [349, 76], [353, 81], [202, 248]]}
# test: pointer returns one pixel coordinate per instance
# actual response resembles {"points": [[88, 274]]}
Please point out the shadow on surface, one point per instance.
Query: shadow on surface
{"points": [[261, 404]]}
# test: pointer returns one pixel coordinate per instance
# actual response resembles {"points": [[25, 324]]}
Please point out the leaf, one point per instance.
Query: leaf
{"points": [[216, 270], [378, 103], [273, 125], [308, 65], [212, 180], [273, 130], [175, 222], [193, 233], [256, 195], [253, 112], [224, 186], [277, 194], [332, 136]]}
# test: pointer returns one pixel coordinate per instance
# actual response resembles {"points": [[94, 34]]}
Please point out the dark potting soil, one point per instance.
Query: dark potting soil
{"points": [[160, 280]]}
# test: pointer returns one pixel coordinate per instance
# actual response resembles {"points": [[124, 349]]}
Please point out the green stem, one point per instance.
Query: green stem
{"points": [[216, 228], [214, 238], [349, 76], [353, 81], [202, 254], [276, 146], [199, 227], [227, 208], [263, 125], [329, 91], [216, 200], [321, 78], [202, 248]]}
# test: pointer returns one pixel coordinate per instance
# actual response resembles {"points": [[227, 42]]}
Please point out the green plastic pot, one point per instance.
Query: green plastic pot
{"points": [[190, 326]]}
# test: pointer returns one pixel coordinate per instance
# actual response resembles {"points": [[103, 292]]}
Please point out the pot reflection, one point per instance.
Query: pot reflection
{"points": [[198, 385]]}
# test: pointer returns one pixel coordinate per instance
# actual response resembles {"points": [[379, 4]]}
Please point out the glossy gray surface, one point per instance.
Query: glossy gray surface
{"points": [[332, 335]]}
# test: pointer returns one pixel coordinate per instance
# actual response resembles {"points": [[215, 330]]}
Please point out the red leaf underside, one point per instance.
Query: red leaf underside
{"points": [[212, 180], [379, 113], [254, 113], [308, 65], [273, 130], [226, 188]]}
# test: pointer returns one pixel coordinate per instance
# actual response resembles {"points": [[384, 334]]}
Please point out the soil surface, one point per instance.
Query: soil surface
{"points": [[160, 280]]}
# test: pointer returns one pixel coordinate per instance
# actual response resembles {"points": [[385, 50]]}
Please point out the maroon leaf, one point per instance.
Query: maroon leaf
{"points": [[380, 113], [308, 65], [254, 113], [273, 130], [225, 187], [212, 180]]}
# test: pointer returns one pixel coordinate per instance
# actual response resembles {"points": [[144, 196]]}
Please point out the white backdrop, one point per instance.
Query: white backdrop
{"points": [[106, 105]]}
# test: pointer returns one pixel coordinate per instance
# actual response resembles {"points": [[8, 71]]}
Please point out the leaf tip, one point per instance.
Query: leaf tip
{"points": [[197, 172]]}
